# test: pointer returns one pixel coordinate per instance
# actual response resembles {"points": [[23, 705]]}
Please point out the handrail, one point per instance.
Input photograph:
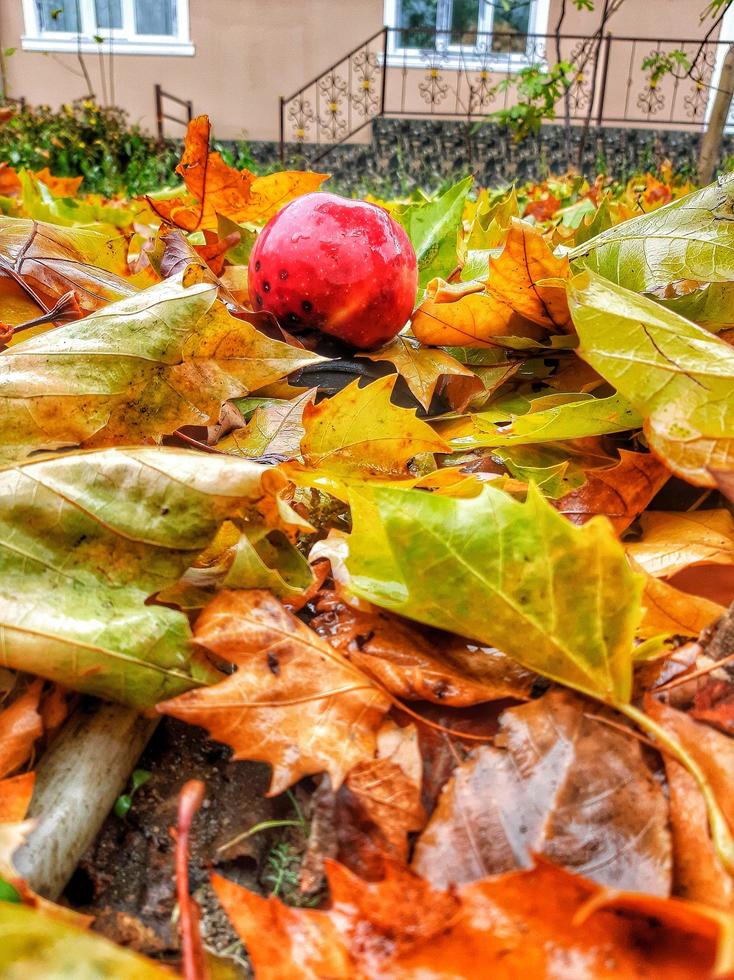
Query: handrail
{"points": [[441, 79], [161, 115]]}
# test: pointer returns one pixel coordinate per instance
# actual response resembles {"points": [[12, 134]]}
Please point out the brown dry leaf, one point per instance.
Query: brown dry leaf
{"points": [[620, 492], [20, 726], [698, 873], [419, 664], [698, 870], [666, 609], [542, 924], [51, 260], [380, 803], [725, 482], [556, 783], [423, 367], [293, 701], [219, 188], [673, 541], [473, 313]]}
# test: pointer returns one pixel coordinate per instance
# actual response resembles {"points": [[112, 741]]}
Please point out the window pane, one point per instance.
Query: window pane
{"points": [[414, 14], [155, 17], [464, 21], [511, 17], [108, 14], [57, 15]]}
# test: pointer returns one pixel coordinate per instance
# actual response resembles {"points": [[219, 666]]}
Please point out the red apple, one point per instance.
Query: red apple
{"points": [[340, 266]]}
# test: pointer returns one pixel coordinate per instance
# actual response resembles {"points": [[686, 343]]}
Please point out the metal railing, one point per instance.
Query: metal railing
{"points": [[160, 112], [421, 72]]}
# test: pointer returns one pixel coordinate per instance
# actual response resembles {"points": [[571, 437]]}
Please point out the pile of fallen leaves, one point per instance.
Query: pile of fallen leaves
{"points": [[476, 585]]}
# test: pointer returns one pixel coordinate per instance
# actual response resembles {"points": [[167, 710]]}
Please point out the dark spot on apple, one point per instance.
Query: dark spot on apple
{"points": [[266, 287], [257, 266], [283, 273], [293, 318], [258, 299], [307, 307]]}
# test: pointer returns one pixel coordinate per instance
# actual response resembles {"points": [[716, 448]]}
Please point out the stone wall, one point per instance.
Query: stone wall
{"points": [[409, 153]]}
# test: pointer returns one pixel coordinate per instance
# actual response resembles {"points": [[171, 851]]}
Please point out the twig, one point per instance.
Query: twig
{"points": [[694, 674]]}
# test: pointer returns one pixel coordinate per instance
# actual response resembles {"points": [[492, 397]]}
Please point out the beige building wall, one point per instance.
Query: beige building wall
{"points": [[249, 52]]}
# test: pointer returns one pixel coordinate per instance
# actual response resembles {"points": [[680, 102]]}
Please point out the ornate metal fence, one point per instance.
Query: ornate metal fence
{"points": [[419, 72]]}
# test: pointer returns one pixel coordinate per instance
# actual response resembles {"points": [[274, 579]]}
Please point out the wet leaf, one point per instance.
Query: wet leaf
{"points": [[558, 783], [220, 189], [20, 726], [360, 433], [293, 702], [274, 432], [416, 664], [581, 416], [51, 260], [503, 926], [560, 600], [86, 538], [674, 373]]}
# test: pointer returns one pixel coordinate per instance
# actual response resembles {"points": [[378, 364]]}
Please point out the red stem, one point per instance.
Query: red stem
{"points": [[194, 961]]}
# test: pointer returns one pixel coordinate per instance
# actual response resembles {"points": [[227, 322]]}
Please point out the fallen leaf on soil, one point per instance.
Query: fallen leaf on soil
{"points": [[414, 664], [293, 701], [556, 783], [38, 946], [20, 726], [673, 541], [504, 927]]}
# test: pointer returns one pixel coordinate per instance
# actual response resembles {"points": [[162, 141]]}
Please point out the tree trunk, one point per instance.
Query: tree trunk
{"points": [[711, 143]]}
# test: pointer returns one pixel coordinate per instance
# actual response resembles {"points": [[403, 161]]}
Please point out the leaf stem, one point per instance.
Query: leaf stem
{"points": [[721, 835]]}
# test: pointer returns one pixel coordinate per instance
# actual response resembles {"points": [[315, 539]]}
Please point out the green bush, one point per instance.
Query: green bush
{"points": [[84, 138]]}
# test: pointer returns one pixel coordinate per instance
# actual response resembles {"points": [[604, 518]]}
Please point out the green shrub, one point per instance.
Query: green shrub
{"points": [[99, 143]]}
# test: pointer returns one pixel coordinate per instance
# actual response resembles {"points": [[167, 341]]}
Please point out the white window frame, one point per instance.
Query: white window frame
{"points": [[468, 56], [122, 40]]}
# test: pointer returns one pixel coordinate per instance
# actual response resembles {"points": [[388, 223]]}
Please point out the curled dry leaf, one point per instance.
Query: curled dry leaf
{"points": [[423, 367], [293, 701], [418, 664], [49, 259], [558, 783], [504, 927], [511, 299], [619, 492], [273, 433], [671, 541], [20, 726]]}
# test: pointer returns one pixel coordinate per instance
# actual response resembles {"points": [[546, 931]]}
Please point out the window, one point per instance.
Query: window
{"points": [[122, 26], [463, 29]]}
